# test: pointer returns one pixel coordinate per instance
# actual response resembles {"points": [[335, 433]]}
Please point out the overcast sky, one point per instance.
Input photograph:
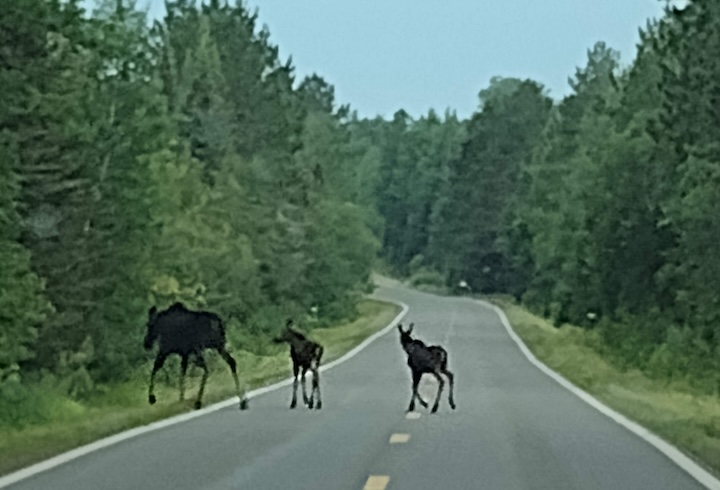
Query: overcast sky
{"points": [[383, 55]]}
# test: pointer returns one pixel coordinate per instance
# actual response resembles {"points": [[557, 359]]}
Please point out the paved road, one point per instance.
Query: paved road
{"points": [[515, 428]]}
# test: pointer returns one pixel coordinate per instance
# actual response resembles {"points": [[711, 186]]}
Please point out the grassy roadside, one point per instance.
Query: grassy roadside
{"points": [[674, 411], [125, 405]]}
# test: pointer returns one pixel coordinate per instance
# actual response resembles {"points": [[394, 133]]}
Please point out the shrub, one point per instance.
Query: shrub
{"points": [[427, 277]]}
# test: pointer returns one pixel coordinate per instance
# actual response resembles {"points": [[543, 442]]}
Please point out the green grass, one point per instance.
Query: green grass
{"points": [[124, 406], [339, 340], [674, 411]]}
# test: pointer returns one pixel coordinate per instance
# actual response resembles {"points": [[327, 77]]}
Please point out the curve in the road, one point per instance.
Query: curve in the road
{"points": [[516, 428]]}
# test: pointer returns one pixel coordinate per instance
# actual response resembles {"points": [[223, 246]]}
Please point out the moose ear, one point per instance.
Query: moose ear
{"points": [[410, 328], [400, 328], [289, 322]]}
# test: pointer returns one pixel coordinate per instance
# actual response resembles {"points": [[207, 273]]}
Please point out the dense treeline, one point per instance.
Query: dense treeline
{"points": [[144, 164], [601, 209], [147, 163]]}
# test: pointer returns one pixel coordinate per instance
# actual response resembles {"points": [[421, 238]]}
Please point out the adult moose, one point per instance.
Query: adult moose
{"points": [[187, 333], [305, 354], [423, 359]]}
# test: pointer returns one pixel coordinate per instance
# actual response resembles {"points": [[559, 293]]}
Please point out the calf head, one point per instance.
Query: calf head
{"points": [[287, 333], [405, 335]]}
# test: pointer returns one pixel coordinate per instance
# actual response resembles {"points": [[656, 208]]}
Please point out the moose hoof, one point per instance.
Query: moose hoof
{"points": [[293, 405], [152, 399], [434, 409], [198, 405], [310, 404], [452, 405], [318, 406], [243, 404]]}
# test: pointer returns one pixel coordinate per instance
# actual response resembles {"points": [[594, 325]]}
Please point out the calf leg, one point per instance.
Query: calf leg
{"points": [[316, 387], [159, 361], [439, 392], [200, 361], [418, 396], [293, 402], [306, 400], [233, 368], [315, 366], [420, 399], [451, 378], [416, 375]]}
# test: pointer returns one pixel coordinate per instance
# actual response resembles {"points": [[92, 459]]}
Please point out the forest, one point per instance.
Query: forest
{"points": [[600, 210], [145, 162]]}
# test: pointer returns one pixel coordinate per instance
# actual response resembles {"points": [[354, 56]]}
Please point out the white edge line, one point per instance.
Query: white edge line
{"points": [[677, 456], [177, 419]]}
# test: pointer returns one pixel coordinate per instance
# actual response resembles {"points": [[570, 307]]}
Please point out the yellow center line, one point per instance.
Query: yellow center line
{"points": [[412, 415], [376, 482], [399, 438]]}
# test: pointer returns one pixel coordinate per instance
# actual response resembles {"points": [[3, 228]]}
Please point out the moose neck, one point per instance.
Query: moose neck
{"points": [[296, 341]]}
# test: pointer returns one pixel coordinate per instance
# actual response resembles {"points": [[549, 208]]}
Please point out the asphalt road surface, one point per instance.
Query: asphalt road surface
{"points": [[514, 428]]}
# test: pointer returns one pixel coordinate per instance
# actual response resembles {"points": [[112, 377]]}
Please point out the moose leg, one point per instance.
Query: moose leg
{"points": [[420, 399], [306, 400], [166, 375], [451, 378], [159, 361], [441, 383], [200, 361], [316, 387], [416, 375], [233, 368], [183, 371], [315, 367], [416, 393], [296, 371]]}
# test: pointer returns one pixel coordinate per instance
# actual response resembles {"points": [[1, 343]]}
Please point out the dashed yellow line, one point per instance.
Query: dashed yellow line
{"points": [[399, 438], [376, 482], [379, 482], [412, 415]]}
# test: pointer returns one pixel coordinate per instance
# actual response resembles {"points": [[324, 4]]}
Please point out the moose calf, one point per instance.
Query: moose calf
{"points": [[305, 354], [423, 359]]}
